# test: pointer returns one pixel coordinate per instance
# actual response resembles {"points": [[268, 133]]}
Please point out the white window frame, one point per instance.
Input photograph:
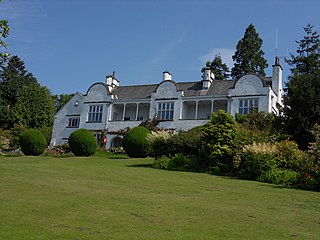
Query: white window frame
{"points": [[165, 110], [247, 105], [95, 113], [73, 122]]}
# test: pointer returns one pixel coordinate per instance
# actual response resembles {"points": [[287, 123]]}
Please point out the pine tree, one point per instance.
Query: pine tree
{"points": [[218, 68], [12, 80], [307, 60], [248, 57]]}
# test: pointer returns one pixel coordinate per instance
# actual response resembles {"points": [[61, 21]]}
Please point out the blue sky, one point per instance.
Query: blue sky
{"points": [[69, 45]]}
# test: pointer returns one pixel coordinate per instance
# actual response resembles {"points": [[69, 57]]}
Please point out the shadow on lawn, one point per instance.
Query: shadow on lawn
{"points": [[142, 165]]}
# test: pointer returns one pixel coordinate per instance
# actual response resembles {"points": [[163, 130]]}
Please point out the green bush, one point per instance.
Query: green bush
{"points": [[135, 143], [289, 156], [32, 142], [278, 176], [218, 138], [161, 163], [82, 143], [253, 165]]}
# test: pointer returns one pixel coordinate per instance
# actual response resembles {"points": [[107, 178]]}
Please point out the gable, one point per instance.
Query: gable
{"points": [[249, 85], [167, 90]]}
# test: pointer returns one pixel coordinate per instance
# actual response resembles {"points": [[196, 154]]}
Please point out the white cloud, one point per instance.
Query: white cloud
{"points": [[225, 53]]}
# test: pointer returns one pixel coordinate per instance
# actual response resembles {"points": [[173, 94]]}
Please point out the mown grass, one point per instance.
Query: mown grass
{"points": [[99, 198]]}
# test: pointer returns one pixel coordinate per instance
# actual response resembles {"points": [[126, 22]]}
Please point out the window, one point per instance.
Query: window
{"points": [[248, 105], [74, 122], [95, 113], [165, 111]]}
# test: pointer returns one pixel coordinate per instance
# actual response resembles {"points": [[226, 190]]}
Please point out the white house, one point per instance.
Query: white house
{"points": [[110, 108]]}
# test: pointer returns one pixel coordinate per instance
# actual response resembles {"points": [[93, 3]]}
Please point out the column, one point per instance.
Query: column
{"points": [[137, 111], [124, 111], [196, 115]]}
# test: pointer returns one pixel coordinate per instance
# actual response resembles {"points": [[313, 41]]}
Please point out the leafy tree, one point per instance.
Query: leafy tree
{"points": [[60, 100], [248, 57], [34, 108], [307, 60], [218, 68], [218, 138], [302, 110]]}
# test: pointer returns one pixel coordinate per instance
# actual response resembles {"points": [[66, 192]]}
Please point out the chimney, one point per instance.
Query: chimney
{"points": [[111, 81], [208, 77], [277, 80], [167, 76]]}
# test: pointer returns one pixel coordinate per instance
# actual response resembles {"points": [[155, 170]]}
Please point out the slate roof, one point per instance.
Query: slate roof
{"points": [[218, 87]]}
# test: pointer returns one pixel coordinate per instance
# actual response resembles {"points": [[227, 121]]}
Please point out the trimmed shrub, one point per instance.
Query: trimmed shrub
{"points": [[82, 143], [135, 143], [32, 142]]}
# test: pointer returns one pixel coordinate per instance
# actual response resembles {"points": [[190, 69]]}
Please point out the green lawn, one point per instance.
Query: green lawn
{"points": [[98, 198]]}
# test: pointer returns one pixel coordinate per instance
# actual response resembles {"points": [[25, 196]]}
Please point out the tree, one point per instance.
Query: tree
{"points": [[60, 100], [248, 57], [307, 60], [4, 33], [302, 110], [12, 80], [34, 108], [218, 68], [218, 142]]}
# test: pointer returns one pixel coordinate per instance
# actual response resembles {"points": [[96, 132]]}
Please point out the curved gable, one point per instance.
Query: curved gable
{"points": [[167, 90], [97, 92], [249, 84]]}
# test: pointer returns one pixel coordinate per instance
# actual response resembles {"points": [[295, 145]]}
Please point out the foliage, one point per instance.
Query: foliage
{"points": [[218, 68], [289, 156], [277, 163], [13, 79], [32, 142], [179, 162], [34, 107], [218, 138], [307, 58], [188, 142], [248, 57], [151, 124], [278, 176], [5, 139], [135, 143], [302, 109], [4, 33], [108, 154], [159, 142], [82, 142], [60, 100], [253, 165], [314, 147], [58, 150]]}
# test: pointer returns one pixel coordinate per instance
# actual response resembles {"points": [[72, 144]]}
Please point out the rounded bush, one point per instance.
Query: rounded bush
{"points": [[32, 142], [82, 143], [135, 143]]}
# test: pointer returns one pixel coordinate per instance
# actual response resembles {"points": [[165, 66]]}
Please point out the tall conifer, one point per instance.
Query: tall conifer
{"points": [[248, 57]]}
